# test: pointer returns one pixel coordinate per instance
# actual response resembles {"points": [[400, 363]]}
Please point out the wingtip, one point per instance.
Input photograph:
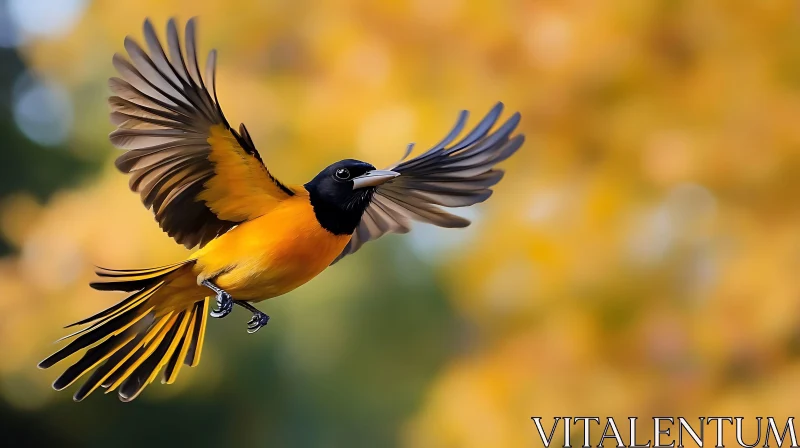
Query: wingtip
{"points": [[461, 224], [191, 26], [498, 108], [172, 25], [409, 149], [515, 119], [129, 43], [147, 27]]}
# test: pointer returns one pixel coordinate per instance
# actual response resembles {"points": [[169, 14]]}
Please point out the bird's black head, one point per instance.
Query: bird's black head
{"points": [[341, 192]]}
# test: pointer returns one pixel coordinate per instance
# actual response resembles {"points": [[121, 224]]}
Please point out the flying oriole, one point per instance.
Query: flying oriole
{"points": [[258, 238]]}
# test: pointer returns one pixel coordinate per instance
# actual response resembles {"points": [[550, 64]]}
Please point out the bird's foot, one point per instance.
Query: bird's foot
{"points": [[224, 306], [224, 301], [259, 320]]}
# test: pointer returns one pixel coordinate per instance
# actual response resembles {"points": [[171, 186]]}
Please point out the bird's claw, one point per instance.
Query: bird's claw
{"points": [[224, 305], [256, 322]]}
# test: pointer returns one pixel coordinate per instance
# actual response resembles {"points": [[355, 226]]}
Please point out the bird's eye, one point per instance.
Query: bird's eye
{"points": [[342, 174]]}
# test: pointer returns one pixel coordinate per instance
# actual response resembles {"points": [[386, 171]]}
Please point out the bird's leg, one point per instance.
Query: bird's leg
{"points": [[224, 300], [259, 318], [225, 305]]}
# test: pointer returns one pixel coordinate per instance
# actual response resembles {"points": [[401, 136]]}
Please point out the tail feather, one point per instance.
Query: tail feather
{"points": [[179, 355], [130, 342], [119, 370], [146, 372], [175, 361], [95, 334], [147, 346], [107, 272], [198, 334], [132, 280], [175, 345], [107, 369], [104, 317], [93, 357]]}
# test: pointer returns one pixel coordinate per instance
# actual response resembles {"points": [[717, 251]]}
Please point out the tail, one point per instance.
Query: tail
{"points": [[130, 342]]}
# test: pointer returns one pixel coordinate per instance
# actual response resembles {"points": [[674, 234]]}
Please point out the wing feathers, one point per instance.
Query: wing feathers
{"points": [[139, 82], [157, 53], [457, 128], [199, 176], [449, 174]]}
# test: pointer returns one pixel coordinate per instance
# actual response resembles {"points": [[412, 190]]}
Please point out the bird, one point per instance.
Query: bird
{"points": [[255, 237]]}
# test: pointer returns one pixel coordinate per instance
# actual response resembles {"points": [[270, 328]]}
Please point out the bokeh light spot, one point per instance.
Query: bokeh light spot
{"points": [[42, 111], [45, 17], [9, 35]]}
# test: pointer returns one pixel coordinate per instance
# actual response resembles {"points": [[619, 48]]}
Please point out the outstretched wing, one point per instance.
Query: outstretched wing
{"points": [[199, 176], [449, 174]]}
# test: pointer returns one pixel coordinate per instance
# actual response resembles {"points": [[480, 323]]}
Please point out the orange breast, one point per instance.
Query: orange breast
{"points": [[270, 255]]}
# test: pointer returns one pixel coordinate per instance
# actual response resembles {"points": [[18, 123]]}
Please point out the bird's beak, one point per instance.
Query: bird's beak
{"points": [[373, 178]]}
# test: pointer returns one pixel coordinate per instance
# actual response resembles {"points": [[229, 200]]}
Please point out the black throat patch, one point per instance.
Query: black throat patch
{"points": [[340, 218]]}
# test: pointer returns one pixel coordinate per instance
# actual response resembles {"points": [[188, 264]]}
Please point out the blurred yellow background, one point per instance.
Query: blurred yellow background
{"points": [[640, 258]]}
